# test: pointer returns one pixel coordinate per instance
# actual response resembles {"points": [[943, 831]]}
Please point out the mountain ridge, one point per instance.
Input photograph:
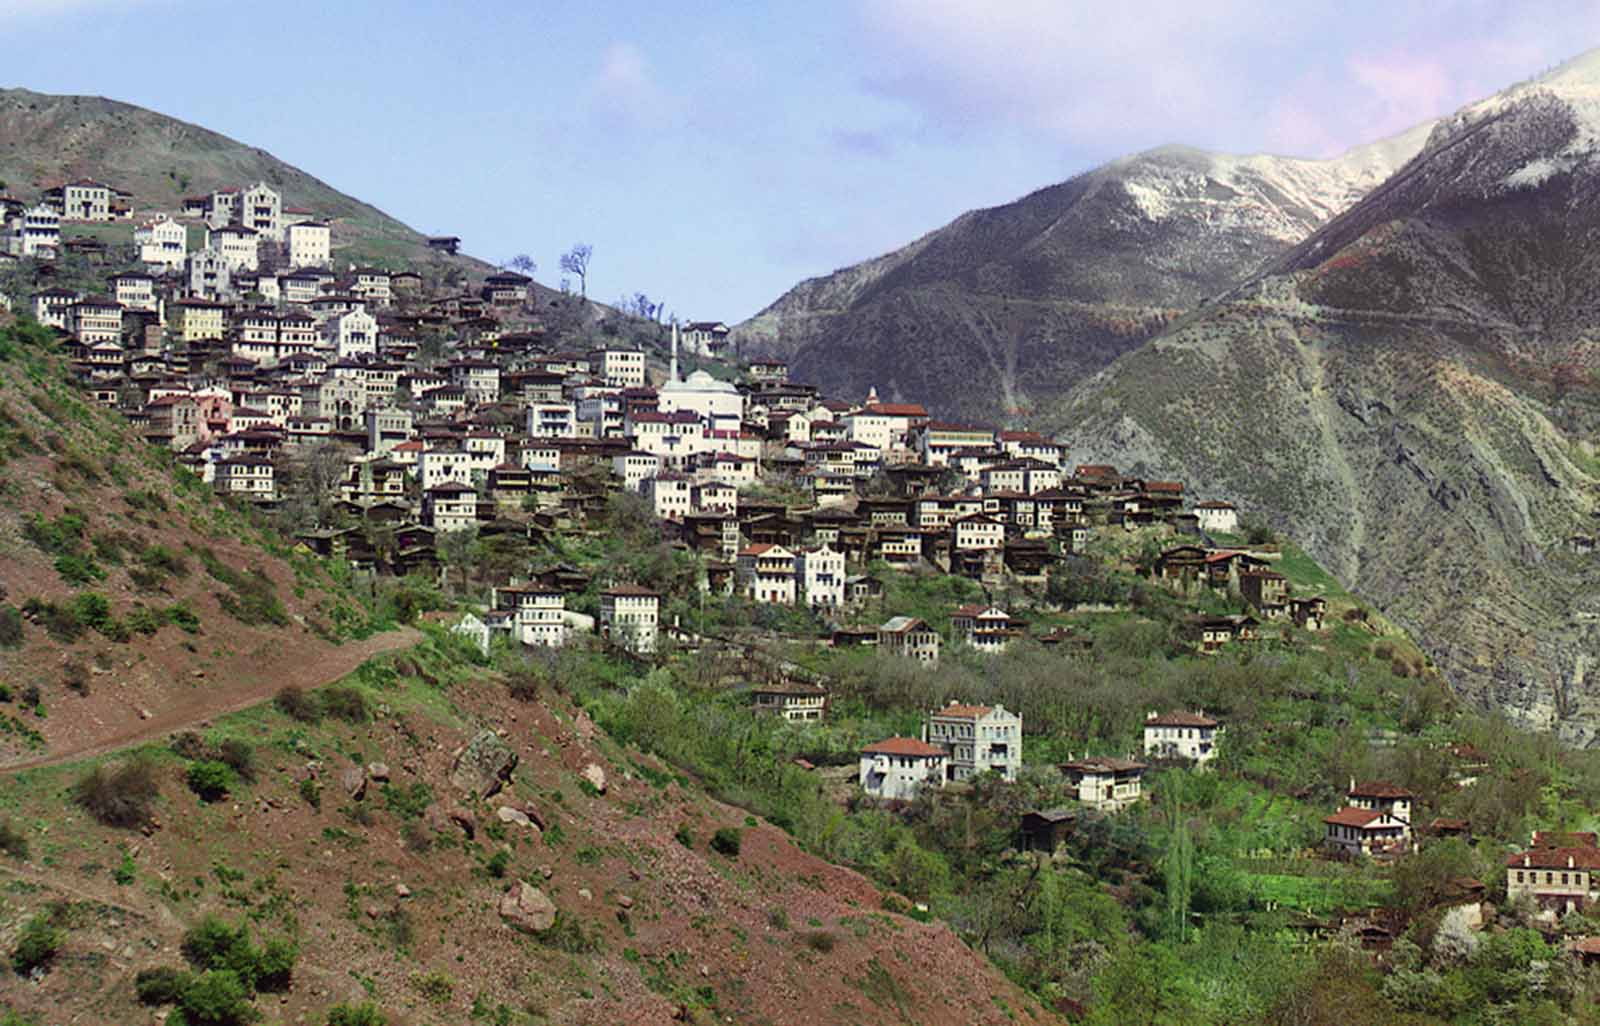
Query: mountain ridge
{"points": [[1006, 306]]}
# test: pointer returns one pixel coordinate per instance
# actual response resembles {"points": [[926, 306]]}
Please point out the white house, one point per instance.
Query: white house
{"points": [[899, 767], [767, 574], [1376, 821], [352, 335], [1106, 784], [309, 244], [979, 739], [1181, 735], [819, 577], [630, 616], [538, 613], [162, 244], [236, 244], [669, 495], [1222, 517], [794, 701], [449, 507]]}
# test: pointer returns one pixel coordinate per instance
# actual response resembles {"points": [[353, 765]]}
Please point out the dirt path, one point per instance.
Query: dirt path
{"points": [[196, 707]]}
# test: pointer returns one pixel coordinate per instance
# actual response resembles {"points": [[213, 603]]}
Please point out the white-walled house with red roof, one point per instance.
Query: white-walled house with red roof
{"points": [[899, 767]]}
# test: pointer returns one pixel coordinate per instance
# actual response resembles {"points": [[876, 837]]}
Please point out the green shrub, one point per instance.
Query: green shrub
{"points": [[217, 997], [435, 987], [407, 802], [58, 621], [685, 836], [144, 620], [311, 792], [11, 629], [183, 618], [210, 779], [240, 757], [498, 864], [120, 797], [37, 944], [298, 704], [523, 685], [126, 870], [78, 569], [344, 702], [13, 841], [162, 985], [364, 1014], [163, 562], [726, 842], [90, 609], [275, 964], [819, 940], [214, 943]]}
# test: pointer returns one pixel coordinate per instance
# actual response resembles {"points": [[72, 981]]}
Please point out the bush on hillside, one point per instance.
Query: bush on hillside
{"points": [[298, 704], [210, 779], [119, 797], [37, 944]]}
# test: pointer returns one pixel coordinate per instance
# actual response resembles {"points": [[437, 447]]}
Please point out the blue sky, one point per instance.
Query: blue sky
{"points": [[715, 154]]}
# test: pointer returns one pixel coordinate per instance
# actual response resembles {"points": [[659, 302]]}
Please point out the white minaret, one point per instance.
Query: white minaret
{"points": [[674, 375]]}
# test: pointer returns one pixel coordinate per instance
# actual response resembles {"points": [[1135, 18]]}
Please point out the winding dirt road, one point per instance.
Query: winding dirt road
{"points": [[195, 707]]}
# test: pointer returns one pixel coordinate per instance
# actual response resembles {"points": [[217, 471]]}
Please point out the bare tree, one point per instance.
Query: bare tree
{"points": [[576, 261], [522, 263]]}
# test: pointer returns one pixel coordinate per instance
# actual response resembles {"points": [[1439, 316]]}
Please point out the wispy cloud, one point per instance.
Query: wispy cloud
{"points": [[624, 91], [1227, 73]]}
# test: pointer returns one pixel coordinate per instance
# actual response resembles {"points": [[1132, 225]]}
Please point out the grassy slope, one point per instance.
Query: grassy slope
{"points": [[88, 509]]}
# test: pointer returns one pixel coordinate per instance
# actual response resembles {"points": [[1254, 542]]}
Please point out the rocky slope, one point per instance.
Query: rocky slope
{"points": [[1411, 391], [1007, 307], [455, 854]]}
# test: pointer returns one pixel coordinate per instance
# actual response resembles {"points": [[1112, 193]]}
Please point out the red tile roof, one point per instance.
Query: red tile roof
{"points": [[1180, 719], [1353, 817], [904, 746], [1556, 858], [963, 712]]}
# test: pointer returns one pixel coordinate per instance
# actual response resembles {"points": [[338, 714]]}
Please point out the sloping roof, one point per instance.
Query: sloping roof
{"points": [[630, 591], [1379, 789], [904, 746], [1353, 817], [1103, 764], [1556, 858], [902, 624], [956, 711], [1180, 719]]}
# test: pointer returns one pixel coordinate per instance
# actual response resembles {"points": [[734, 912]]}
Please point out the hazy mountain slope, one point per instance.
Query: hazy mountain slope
{"points": [[1010, 305], [45, 140], [1411, 390]]}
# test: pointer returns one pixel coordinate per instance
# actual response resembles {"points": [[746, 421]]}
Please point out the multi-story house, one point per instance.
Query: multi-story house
{"points": [[443, 465], [1181, 735], [978, 738], [162, 244], [630, 617], [451, 506], [552, 420], [909, 638], [936, 442], [372, 284], [53, 307], [209, 275], [36, 232], [538, 613], [95, 319], [794, 701], [819, 577], [249, 477], [707, 338], [899, 767], [82, 200], [988, 629], [766, 573], [261, 210], [1376, 821], [309, 244], [1107, 784], [634, 468], [670, 495], [352, 335], [135, 291], [1219, 517], [1559, 878], [238, 246], [479, 378], [193, 320], [618, 367]]}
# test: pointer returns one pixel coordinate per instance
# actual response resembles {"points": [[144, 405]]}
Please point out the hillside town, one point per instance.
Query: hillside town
{"points": [[385, 414]]}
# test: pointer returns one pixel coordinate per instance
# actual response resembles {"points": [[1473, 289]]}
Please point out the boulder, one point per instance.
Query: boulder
{"points": [[595, 776], [378, 771], [525, 907], [484, 766], [353, 779], [441, 819], [507, 814], [534, 815]]}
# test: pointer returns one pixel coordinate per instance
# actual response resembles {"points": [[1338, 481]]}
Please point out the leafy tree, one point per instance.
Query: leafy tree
{"points": [[217, 997], [37, 944]]}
